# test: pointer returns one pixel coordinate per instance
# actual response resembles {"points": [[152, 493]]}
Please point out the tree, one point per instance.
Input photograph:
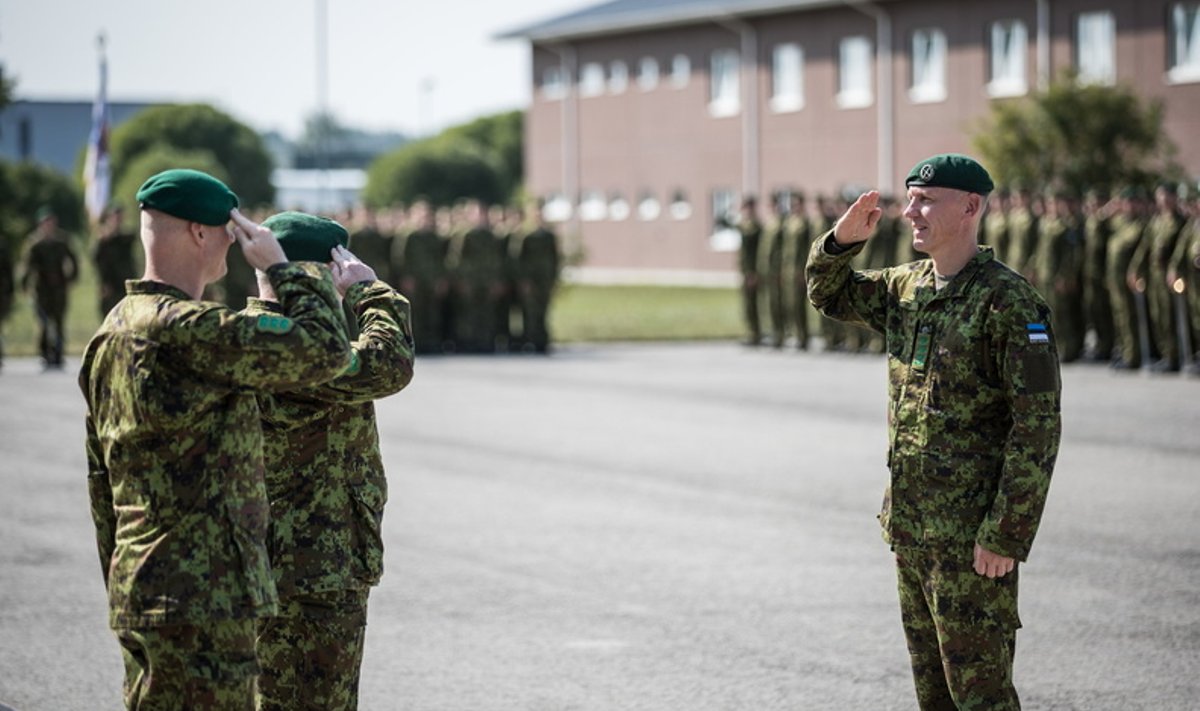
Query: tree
{"points": [[6, 89], [442, 173], [27, 186], [1076, 136], [197, 127], [500, 138]]}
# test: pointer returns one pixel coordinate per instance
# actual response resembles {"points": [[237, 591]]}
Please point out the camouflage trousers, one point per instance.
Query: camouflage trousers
{"points": [[961, 631], [312, 652], [206, 667]]}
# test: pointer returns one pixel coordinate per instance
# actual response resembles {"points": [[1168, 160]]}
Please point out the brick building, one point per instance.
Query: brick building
{"points": [[651, 118]]}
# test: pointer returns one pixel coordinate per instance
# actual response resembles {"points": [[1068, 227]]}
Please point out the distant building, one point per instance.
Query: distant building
{"points": [[54, 133], [651, 118], [325, 192]]}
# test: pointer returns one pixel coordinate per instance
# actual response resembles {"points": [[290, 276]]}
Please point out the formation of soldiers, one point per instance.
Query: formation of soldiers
{"points": [[1121, 273]]}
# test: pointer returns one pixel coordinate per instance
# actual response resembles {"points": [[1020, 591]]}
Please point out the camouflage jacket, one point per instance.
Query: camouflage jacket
{"points": [[324, 472], [174, 446], [535, 254], [974, 396]]}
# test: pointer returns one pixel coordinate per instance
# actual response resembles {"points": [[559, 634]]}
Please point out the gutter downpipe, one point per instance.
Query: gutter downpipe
{"points": [[886, 129], [1043, 44], [569, 129], [751, 139]]}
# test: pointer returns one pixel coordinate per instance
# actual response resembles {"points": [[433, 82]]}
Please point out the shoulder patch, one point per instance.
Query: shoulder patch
{"points": [[274, 324], [355, 364], [1037, 333]]}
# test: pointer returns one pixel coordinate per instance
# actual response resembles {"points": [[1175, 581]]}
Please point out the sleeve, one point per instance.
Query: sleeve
{"points": [[1029, 368], [381, 362], [101, 498], [841, 293], [305, 345]]}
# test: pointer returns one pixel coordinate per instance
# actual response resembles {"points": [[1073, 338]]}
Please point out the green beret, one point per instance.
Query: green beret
{"points": [[950, 170], [307, 238], [189, 195]]}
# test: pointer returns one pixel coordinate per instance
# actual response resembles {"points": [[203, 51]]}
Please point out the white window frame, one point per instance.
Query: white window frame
{"points": [[681, 70], [648, 207], [929, 58], [1009, 47], [618, 207], [593, 206], [647, 73], [618, 77], [556, 208], [591, 79], [554, 82], [679, 208], [725, 237], [1184, 43], [854, 80], [787, 77], [725, 83], [1096, 47]]}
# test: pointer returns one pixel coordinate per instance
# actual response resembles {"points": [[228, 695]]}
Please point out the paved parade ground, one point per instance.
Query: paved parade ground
{"points": [[661, 527]]}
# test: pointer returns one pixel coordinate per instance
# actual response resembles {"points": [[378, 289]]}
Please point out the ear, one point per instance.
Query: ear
{"points": [[196, 232], [974, 204]]}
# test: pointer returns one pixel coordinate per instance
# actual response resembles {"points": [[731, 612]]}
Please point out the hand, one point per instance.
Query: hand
{"points": [[859, 221], [992, 564], [258, 243], [348, 270]]}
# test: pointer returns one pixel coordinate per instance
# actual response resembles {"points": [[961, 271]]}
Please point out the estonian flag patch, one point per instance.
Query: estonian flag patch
{"points": [[1037, 333]]}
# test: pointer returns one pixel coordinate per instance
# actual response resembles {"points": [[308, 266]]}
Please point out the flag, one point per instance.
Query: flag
{"points": [[96, 176]]}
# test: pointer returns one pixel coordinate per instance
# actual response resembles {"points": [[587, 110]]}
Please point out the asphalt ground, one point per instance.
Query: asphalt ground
{"points": [[661, 527]]}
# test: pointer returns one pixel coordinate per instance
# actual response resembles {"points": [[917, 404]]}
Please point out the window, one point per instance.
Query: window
{"points": [[554, 85], [928, 66], [592, 206], [647, 73], [1184, 58], [557, 208], [591, 79], [618, 207], [725, 236], [618, 77], [787, 78], [854, 73], [681, 71], [648, 207], [723, 94], [1096, 47], [1009, 50], [680, 208]]}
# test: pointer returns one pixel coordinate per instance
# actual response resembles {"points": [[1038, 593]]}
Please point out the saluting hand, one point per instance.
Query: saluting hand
{"points": [[348, 270], [258, 243], [992, 564], [859, 221]]}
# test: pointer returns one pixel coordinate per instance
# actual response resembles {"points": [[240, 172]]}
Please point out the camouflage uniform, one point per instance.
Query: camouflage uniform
{"points": [[770, 269], [1151, 262], [1097, 229], [474, 263], [374, 248], [751, 231], [796, 240], [327, 489], [113, 256], [1185, 262], [1022, 239], [974, 424], [50, 266], [1126, 235], [1059, 266], [175, 477], [419, 265], [7, 287], [535, 257]]}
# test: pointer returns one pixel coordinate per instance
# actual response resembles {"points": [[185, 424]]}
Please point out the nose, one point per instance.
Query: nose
{"points": [[910, 210]]}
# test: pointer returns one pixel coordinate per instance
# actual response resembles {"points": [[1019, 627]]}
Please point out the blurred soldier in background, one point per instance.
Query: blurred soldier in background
{"points": [[1127, 227], [114, 258], [797, 239], [1022, 232], [7, 287], [995, 222], [1184, 274], [419, 265], [370, 244], [536, 259], [503, 227], [770, 269], [475, 271], [1097, 306], [1150, 264], [1058, 269], [751, 231], [833, 332], [48, 269]]}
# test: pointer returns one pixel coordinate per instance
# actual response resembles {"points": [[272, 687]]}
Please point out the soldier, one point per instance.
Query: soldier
{"points": [[1127, 227], [475, 268], [1150, 265], [995, 222], [1058, 263], [48, 269], [797, 238], [174, 446], [1184, 275], [370, 243], [974, 425], [770, 269], [506, 297], [751, 231], [326, 483], [113, 257], [1097, 307], [7, 288], [832, 331], [419, 265], [1022, 232], [536, 259]]}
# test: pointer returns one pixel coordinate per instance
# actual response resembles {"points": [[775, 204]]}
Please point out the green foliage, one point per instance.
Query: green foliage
{"points": [[645, 313], [481, 159], [197, 127], [1076, 136], [27, 186], [155, 160], [6, 89]]}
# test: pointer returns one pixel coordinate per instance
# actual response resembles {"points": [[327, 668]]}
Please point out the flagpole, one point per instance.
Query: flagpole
{"points": [[96, 175]]}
